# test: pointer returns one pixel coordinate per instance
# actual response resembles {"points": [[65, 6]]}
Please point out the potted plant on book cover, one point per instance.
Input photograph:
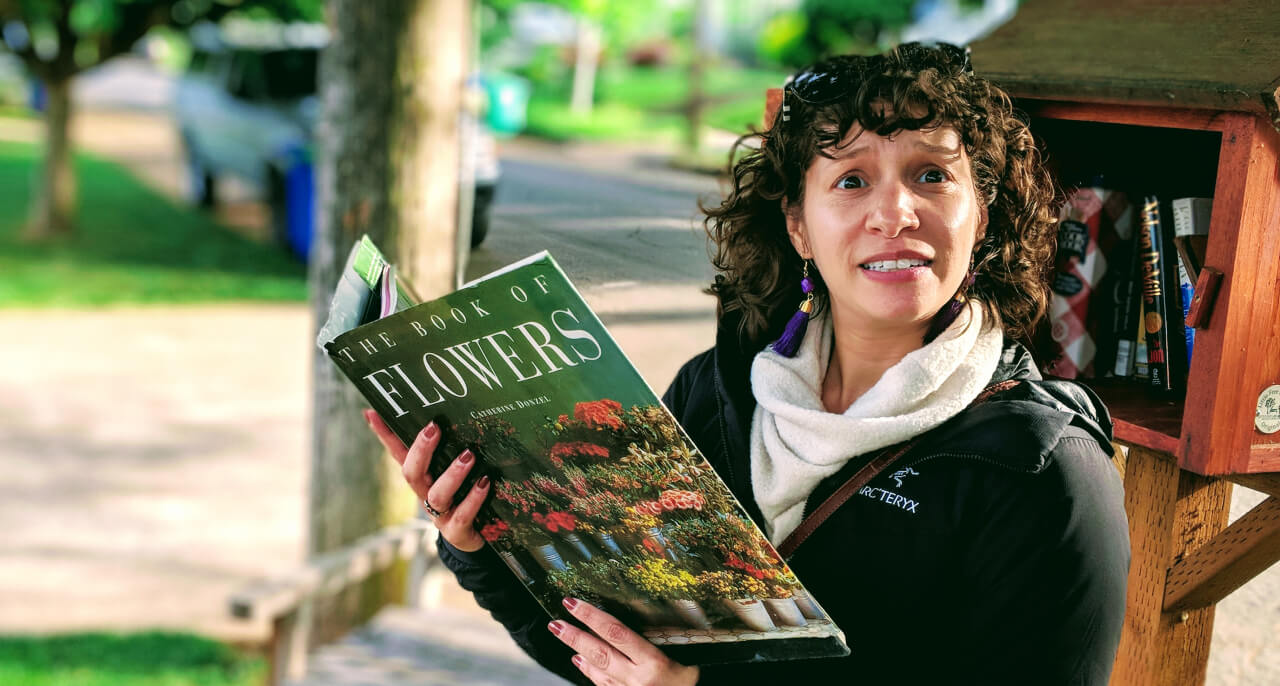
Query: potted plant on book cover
{"points": [[660, 580], [738, 594], [497, 443], [779, 600], [498, 534], [535, 539], [598, 513]]}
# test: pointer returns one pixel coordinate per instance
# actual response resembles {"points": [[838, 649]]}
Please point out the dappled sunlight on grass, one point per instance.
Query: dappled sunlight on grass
{"points": [[132, 245]]}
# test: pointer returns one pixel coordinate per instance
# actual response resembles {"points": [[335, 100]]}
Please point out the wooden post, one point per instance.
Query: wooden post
{"points": [[1171, 514]]}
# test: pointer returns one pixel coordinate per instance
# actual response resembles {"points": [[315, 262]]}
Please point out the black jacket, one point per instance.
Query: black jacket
{"points": [[1000, 557]]}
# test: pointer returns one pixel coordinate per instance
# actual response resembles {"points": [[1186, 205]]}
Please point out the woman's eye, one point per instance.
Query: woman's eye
{"points": [[933, 176], [850, 182]]}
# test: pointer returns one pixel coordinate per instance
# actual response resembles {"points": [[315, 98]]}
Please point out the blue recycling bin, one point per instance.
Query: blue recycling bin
{"points": [[300, 202], [508, 98]]}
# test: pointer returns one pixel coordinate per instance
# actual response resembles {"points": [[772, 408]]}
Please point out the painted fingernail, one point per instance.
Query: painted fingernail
{"points": [[466, 457], [555, 627], [570, 603], [577, 661], [430, 430], [368, 417], [483, 482]]}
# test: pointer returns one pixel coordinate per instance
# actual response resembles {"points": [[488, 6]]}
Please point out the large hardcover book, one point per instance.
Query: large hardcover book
{"points": [[597, 492]]}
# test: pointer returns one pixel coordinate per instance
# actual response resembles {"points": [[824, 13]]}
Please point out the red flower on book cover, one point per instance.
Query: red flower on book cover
{"points": [[555, 521], [560, 451], [493, 532], [600, 413]]}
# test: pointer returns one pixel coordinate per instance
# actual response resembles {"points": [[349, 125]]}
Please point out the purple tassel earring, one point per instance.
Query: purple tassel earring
{"points": [[949, 312], [789, 343]]}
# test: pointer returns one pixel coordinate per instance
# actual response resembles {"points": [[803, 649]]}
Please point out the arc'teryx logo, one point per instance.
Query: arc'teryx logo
{"points": [[901, 474]]}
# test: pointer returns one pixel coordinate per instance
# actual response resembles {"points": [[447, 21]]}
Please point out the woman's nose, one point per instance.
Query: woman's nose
{"points": [[893, 210]]}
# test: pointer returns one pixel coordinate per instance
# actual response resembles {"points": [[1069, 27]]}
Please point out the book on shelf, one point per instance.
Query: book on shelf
{"points": [[1191, 237], [1126, 308], [1162, 307], [1186, 291], [1191, 232], [597, 492]]}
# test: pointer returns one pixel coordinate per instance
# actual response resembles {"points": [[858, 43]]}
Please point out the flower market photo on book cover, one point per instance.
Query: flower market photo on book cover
{"points": [[598, 494]]}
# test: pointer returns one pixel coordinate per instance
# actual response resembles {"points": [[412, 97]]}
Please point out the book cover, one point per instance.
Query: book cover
{"points": [[597, 492], [1191, 232]]}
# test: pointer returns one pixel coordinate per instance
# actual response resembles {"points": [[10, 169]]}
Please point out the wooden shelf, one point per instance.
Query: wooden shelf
{"points": [[1143, 416]]}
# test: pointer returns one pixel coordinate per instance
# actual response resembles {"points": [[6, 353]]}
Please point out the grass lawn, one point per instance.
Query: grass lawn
{"points": [[635, 103], [132, 245], [143, 659]]}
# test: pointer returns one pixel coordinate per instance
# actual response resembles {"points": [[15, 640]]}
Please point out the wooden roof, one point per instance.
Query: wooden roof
{"points": [[1206, 54]]}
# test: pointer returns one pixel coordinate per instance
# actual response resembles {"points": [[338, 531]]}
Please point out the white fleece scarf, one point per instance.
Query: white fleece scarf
{"points": [[795, 443]]}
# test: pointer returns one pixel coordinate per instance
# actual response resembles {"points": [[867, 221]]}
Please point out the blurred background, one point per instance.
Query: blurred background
{"points": [[171, 205]]}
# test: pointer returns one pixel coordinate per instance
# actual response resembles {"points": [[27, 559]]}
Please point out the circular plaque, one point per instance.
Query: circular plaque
{"points": [[1268, 418]]}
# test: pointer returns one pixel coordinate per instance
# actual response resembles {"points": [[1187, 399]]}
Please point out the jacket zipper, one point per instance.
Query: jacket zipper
{"points": [[960, 456]]}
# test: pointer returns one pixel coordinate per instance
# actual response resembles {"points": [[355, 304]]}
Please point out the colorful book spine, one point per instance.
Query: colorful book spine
{"points": [[1151, 255], [1141, 369], [1186, 291], [1191, 232]]}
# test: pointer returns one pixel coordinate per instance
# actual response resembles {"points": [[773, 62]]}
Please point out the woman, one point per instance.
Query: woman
{"points": [[903, 200]]}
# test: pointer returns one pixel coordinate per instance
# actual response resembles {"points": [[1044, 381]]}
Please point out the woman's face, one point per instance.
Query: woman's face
{"points": [[891, 224]]}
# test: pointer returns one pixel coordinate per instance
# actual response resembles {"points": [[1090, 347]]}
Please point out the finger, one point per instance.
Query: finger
{"points": [[441, 493], [464, 514], [386, 436], [415, 462], [606, 663], [594, 673], [615, 633]]}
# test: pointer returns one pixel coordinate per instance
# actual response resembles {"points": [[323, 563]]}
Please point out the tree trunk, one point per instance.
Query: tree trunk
{"points": [[391, 83], [53, 204], [586, 57], [697, 88]]}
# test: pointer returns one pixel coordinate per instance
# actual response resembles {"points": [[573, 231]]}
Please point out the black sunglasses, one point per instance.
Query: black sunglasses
{"points": [[835, 78]]}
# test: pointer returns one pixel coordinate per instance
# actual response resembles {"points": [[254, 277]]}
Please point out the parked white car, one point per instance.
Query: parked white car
{"points": [[250, 110]]}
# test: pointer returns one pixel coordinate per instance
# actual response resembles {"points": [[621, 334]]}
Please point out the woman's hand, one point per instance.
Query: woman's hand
{"points": [[455, 522], [614, 654]]}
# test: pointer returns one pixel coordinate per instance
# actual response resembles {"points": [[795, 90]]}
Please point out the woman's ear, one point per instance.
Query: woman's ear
{"points": [[981, 233], [796, 232]]}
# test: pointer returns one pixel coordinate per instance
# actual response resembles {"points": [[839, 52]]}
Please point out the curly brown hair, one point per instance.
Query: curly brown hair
{"points": [[907, 88]]}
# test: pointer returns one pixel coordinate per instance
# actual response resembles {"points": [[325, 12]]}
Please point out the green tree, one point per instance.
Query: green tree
{"points": [[832, 27], [58, 39]]}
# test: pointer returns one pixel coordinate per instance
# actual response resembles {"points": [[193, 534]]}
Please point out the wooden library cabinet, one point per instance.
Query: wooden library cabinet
{"points": [[1177, 98]]}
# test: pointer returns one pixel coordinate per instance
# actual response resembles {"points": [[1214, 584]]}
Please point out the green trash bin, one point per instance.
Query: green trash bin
{"points": [[508, 97]]}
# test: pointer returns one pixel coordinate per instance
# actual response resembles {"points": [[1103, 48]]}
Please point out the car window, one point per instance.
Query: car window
{"points": [[290, 74], [248, 81]]}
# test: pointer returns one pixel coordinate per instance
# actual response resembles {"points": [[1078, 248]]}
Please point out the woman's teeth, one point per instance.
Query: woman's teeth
{"points": [[894, 265]]}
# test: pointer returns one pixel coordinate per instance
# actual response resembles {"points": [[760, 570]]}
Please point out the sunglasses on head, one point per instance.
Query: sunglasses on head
{"points": [[835, 78]]}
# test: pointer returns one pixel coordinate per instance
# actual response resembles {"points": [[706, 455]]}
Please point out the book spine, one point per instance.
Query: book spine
{"points": [[1154, 279], [1186, 291], [1124, 311], [1141, 369]]}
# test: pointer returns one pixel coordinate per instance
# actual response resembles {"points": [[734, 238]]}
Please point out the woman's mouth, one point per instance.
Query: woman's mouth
{"points": [[894, 265]]}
